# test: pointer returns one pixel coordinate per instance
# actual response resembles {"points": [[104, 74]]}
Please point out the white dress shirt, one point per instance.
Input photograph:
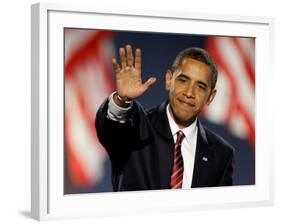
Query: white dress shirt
{"points": [[188, 146]]}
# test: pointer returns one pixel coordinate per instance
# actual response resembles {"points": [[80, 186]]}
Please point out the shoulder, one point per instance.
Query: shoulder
{"points": [[150, 113], [158, 110], [218, 142]]}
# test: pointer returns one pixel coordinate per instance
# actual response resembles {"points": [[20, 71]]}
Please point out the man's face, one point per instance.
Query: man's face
{"points": [[189, 90]]}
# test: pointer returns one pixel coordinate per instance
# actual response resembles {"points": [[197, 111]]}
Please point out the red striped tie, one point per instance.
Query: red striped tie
{"points": [[177, 172]]}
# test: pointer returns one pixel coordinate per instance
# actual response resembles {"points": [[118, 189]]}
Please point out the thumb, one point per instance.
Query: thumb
{"points": [[149, 83]]}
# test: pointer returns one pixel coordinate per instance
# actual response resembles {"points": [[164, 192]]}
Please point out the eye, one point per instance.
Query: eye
{"points": [[182, 79], [202, 87]]}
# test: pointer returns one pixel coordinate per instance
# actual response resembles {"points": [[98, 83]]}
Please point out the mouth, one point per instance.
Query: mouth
{"points": [[187, 103]]}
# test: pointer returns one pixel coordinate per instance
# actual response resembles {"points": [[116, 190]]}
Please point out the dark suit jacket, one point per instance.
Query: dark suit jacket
{"points": [[141, 151]]}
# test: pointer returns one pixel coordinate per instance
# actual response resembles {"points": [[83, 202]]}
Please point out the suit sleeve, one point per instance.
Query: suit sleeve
{"points": [[113, 135], [227, 178], [121, 139]]}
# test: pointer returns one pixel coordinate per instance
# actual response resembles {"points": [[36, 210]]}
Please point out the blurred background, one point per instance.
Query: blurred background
{"points": [[89, 79]]}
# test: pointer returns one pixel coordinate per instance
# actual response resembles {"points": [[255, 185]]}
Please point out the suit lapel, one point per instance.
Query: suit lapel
{"points": [[203, 158], [166, 145]]}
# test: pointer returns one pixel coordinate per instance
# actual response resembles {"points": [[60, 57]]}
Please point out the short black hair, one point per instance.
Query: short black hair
{"points": [[199, 54]]}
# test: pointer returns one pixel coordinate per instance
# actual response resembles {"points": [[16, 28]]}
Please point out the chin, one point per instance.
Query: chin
{"points": [[184, 119], [187, 116], [182, 114]]}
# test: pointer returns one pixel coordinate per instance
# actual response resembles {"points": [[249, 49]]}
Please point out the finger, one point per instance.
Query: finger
{"points": [[122, 58], [138, 59], [149, 83], [130, 57], [116, 66]]}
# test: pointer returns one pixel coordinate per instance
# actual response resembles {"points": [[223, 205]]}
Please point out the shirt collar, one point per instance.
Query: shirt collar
{"points": [[188, 131]]}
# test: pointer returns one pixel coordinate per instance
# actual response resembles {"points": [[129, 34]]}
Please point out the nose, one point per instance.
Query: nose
{"points": [[189, 91]]}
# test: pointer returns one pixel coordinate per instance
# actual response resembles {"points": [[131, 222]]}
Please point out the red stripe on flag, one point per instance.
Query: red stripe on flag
{"points": [[92, 51], [75, 168], [245, 60], [236, 106], [250, 125], [89, 50], [90, 118], [212, 48]]}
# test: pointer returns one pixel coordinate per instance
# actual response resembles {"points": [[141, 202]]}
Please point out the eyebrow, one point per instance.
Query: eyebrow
{"points": [[182, 75]]}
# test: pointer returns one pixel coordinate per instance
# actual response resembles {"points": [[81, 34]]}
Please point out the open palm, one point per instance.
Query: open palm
{"points": [[128, 74]]}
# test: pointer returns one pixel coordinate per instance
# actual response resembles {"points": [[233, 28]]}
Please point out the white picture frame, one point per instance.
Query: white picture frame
{"points": [[48, 201]]}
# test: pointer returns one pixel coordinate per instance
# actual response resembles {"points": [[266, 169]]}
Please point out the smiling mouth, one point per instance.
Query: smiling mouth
{"points": [[190, 104]]}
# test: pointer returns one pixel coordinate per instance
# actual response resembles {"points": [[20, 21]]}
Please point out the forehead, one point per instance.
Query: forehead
{"points": [[194, 69]]}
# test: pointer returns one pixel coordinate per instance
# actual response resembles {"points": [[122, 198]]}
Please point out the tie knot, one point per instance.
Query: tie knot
{"points": [[180, 136]]}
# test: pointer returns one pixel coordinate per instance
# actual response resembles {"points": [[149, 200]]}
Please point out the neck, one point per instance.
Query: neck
{"points": [[180, 124]]}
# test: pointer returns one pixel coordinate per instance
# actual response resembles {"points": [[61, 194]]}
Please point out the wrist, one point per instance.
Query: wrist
{"points": [[121, 101]]}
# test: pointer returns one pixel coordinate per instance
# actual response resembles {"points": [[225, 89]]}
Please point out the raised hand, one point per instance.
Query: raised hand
{"points": [[128, 74]]}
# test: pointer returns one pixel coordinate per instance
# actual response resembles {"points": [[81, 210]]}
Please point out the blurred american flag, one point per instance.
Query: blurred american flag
{"points": [[88, 81], [234, 104]]}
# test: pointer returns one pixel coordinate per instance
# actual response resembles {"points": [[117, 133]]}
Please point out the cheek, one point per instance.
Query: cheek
{"points": [[202, 101], [172, 92], [175, 90]]}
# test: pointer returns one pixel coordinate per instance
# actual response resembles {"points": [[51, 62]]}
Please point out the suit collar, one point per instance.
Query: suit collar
{"points": [[202, 134], [204, 158], [203, 149], [162, 123]]}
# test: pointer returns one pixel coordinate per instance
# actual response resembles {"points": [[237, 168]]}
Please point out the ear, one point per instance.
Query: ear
{"points": [[169, 76], [211, 96]]}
